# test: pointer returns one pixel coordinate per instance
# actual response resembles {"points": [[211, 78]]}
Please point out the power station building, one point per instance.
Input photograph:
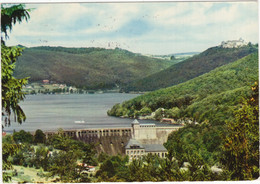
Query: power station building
{"points": [[134, 149], [144, 141]]}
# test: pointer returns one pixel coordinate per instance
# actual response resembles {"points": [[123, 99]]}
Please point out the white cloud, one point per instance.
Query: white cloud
{"points": [[172, 26]]}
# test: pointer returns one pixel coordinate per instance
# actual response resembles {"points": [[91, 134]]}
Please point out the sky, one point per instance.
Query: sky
{"points": [[148, 28]]}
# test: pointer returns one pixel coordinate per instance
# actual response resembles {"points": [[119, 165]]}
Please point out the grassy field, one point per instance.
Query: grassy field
{"points": [[30, 175]]}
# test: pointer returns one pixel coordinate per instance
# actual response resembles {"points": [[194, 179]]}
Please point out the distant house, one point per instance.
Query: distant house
{"points": [[82, 165], [45, 81], [135, 149], [72, 88], [62, 86], [168, 120], [91, 168], [50, 153], [88, 168]]}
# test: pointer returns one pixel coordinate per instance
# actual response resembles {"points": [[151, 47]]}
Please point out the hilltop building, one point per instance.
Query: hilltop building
{"points": [[234, 43]]}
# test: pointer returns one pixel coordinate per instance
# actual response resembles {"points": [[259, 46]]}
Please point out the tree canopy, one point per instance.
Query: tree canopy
{"points": [[11, 87], [240, 153], [11, 15]]}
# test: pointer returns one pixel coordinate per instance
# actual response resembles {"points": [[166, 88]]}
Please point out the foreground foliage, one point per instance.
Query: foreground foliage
{"points": [[241, 144], [59, 159], [11, 87], [59, 156], [234, 146]]}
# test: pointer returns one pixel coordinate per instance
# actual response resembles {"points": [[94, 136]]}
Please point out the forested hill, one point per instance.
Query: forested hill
{"points": [[90, 68], [211, 96], [195, 66]]}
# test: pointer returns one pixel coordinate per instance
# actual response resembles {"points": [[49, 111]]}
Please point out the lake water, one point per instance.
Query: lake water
{"points": [[51, 112]]}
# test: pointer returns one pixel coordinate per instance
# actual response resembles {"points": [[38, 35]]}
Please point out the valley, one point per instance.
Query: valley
{"points": [[129, 92]]}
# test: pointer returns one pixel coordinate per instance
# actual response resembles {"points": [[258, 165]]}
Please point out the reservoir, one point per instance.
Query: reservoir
{"points": [[51, 112]]}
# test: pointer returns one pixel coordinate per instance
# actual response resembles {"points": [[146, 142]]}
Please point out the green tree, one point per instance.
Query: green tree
{"points": [[173, 57], [60, 141], [113, 169], [25, 156], [11, 87], [39, 137], [170, 169], [145, 111], [102, 157], [22, 137], [64, 165], [241, 144], [7, 151], [108, 168], [64, 162], [41, 158], [11, 15]]}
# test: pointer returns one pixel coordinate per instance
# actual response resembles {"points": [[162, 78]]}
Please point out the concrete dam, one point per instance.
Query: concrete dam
{"points": [[113, 140]]}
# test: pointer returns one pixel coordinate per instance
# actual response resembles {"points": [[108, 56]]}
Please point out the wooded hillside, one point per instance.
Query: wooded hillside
{"points": [[212, 96], [193, 67], [89, 68]]}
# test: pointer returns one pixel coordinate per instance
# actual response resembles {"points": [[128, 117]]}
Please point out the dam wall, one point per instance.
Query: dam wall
{"points": [[113, 140], [109, 140]]}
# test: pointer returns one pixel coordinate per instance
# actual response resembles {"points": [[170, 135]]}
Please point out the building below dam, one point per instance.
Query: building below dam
{"points": [[113, 141]]}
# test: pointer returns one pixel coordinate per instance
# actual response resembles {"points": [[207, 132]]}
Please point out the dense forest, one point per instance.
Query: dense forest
{"points": [[212, 96], [195, 66], [223, 105], [57, 158], [88, 68]]}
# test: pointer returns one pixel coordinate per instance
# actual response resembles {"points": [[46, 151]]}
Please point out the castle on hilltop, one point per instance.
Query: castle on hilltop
{"points": [[233, 43]]}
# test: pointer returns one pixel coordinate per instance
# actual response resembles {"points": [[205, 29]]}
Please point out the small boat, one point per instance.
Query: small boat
{"points": [[79, 122]]}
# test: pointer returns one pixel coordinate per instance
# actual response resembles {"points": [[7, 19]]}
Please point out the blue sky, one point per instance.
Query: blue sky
{"points": [[147, 28]]}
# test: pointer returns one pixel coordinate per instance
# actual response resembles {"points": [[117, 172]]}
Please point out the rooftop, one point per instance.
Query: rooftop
{"points": [[154, 147], [133, 142], [143, 124], [135, 122]]}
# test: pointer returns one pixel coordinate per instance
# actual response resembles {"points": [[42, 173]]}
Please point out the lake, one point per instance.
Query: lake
{"points": [[51, 112]]}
